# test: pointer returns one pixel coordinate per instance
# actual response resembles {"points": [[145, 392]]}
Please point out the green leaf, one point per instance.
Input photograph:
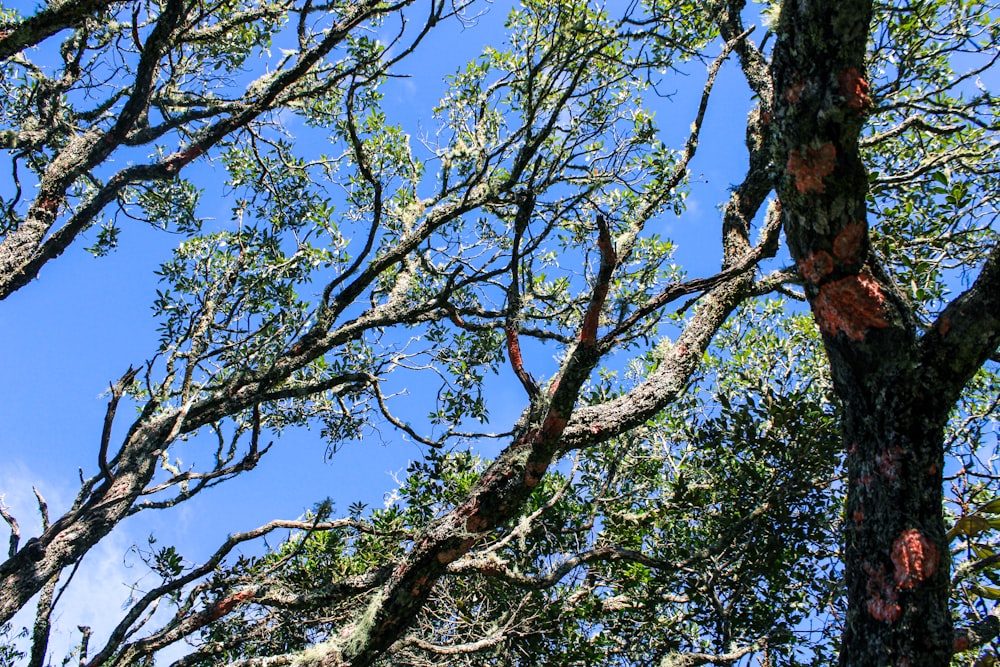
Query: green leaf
{"points": [[970, 526], [992, 507], [988, 592]]}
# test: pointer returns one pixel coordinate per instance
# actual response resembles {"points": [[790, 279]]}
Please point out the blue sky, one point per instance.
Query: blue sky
{"points": [[77, 328]]}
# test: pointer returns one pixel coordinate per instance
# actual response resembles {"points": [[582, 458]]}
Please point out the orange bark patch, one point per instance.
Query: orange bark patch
{"points": [[865, 481], [48, 204], [181, 158], [533, 473], [811, 167], [884, 609], [961, 644], [854, 89], [226, 605], [513, 347], [883, 602], [794, 91], [475, 523], [420, 584], [848, 244], [554, 424], [816, 266], [888, 463], [448, 556], [850, 306], [914, 558]]}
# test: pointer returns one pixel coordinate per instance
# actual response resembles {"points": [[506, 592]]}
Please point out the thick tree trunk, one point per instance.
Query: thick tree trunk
{"points": [[896, 553]]}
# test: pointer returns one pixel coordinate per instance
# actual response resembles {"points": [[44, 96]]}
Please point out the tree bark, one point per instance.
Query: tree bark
{"points": [[896, 387]]}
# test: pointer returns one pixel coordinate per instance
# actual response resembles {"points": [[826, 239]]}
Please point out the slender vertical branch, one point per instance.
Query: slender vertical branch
{"points": [[525, 209], [15, 529], [117, 391]]}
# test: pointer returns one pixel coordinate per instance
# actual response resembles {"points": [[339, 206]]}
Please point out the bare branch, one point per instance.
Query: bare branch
{"points": [[15, 529]]}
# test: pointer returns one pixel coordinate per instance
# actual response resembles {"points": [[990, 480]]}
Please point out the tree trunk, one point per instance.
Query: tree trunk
{"points": [[896, 552]]}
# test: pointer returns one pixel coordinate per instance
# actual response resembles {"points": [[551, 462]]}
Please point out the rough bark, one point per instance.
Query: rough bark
{"points": [[55, 17], [66, 540], [896, 386]]}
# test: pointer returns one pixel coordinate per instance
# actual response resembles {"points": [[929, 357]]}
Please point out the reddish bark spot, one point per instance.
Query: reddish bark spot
{"points": [[420, 583], [914, 558], [554, 423], [48, 204], [592, 318], [816, 265], [533, 473], [888, 463], [849, 243], [811, 167], [858, 516], [765, 118], [476, 523], [225, 605], [853, 449], [595, 429], [961, 644], [182, 157], [794, 91], [607, 247], [513, 347], [529, 439], [446, 556], [885, 609], [850, 306], [932, 469], [883, 601], [865, 481], [490, 569], [944, 325], [854, 89]]}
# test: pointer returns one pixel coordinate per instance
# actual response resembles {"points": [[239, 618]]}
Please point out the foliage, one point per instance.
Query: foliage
{"points": [[9, 655], [674, 490]]}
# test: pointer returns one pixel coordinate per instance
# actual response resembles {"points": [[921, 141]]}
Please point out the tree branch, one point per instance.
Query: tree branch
{"points": [[964, 336], [55, 17]]}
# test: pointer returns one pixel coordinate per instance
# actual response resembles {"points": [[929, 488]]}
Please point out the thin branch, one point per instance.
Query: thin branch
{"points": [[525, 209], [15, 529], [183, 624], [980, 633], [117, 391]]}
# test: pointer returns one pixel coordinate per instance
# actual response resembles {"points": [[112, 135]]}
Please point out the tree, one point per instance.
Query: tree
{"points": [[703, 496], [897, 377]]}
